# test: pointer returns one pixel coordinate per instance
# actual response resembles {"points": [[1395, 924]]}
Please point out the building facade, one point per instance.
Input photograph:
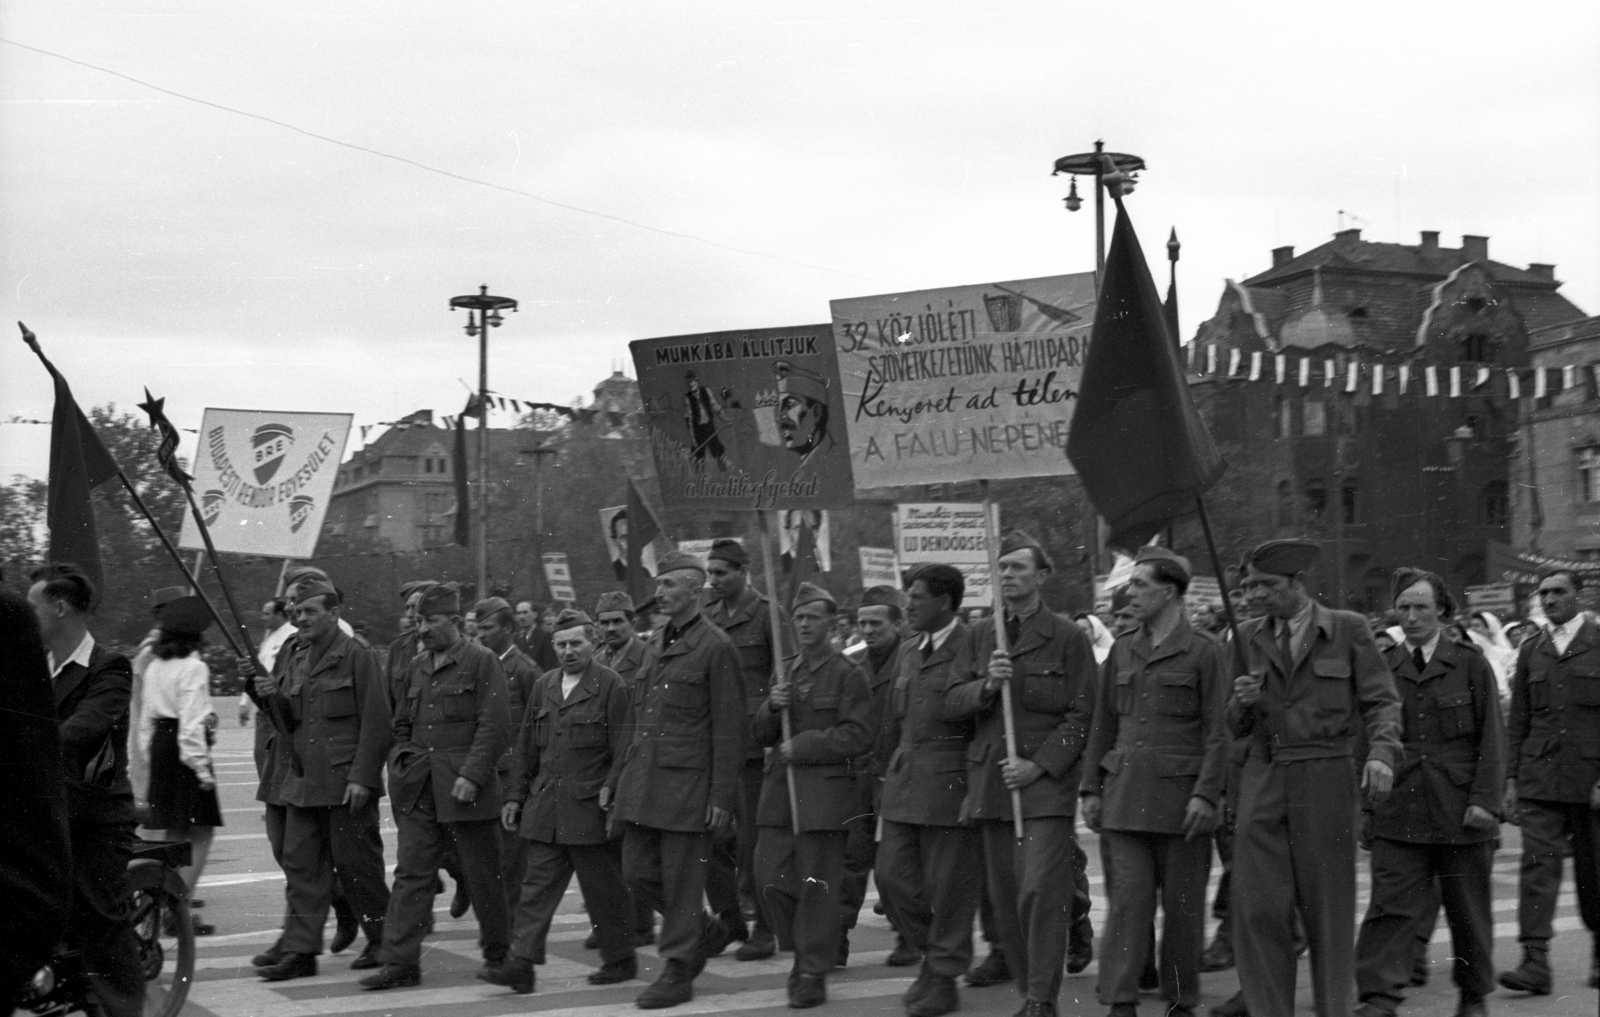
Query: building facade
{"points": [[1556, 472]]}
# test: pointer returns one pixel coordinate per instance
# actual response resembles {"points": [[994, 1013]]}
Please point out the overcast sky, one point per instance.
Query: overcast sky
{"points": [[854, 147]]}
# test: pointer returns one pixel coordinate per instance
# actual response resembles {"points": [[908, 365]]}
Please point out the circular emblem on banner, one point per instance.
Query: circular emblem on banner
{"points": [[300, 508], [211, 506], [268, 445]]}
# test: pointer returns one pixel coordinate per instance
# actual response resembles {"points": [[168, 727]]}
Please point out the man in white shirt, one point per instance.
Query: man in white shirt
{"points": [[276, 628]]}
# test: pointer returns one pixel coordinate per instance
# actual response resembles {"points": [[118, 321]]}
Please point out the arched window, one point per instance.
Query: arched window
{"points": [[1285, 503], [1348, 505], [1316, 500], [1494, 504]]}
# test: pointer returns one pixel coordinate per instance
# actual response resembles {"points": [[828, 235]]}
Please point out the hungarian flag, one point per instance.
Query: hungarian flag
{"points": [[1137, 442], [463, 534], [79, 463]]}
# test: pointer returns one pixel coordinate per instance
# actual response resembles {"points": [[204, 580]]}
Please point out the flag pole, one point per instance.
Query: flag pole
{"points": [[992, 540], [1222, 584], [775, 618]]}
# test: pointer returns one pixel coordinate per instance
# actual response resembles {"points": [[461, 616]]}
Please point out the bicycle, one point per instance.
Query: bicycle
{"points": [[163, 927]]}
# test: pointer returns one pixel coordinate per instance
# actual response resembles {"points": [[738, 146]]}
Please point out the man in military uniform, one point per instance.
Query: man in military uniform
{"points": [[831, 722], [878, 620], [679, 786], [328, 686], [568, 758], [407, 644], [1439, 822], [620, 649], [1152, 784], [928, 854], [1315, 676], [449, 734], [496, 630], [744, 615], [1553, 776]]}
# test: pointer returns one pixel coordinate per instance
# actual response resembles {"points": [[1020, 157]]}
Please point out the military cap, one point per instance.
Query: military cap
{"points": [[184, 616], [672, 561], [411, 587], [796, 380], [883, 596], [1017, 540], [1153, 553], [571, 618], [614, 602], [295, 573], [729, 550], [811, 593], [166, 595], [440, 598], [1284, 557], [309, 588], [492, 605]]}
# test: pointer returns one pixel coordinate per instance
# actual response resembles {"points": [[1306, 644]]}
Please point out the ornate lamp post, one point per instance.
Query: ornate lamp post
{"points": [[483, 313], [1093, 164]]}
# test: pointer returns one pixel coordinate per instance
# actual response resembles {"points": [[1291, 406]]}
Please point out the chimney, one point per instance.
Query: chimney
{"points": [[1282, 255], [1543, 271], [1430, 241], [1345, 238], [1475, 248]]}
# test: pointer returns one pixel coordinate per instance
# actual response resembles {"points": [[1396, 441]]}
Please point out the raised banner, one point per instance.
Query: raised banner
{"points": [[746, 420], [263, 479], [963, 383], [558, 576], [878, 567], [950, 533], [614, 529]]}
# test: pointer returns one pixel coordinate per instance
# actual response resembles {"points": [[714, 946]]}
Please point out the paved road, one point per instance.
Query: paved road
{"points": [[243, 893]]}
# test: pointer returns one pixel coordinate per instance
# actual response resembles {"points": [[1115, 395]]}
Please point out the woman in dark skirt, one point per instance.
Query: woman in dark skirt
{"points": [[175, 728]]}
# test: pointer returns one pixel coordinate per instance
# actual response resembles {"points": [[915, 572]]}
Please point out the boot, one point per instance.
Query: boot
{"points": [[716, 934], [993, 971], [761, 945], [1036, 1008], [939, 998], [904, 954], [268, 957], [842, 958], [345, 932], [1219, 955], [1150, 977], [918, 986], [807, 991], [1532, 975], [368, 958], [293, 965], [393, 976], [617, 971], [460, 902], [1233, 1006], [1080, 947], [675, 986], [515, 973]]}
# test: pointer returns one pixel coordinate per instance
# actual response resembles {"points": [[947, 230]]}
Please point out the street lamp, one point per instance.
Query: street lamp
{"points": [[1093, 164], [487, 307]]}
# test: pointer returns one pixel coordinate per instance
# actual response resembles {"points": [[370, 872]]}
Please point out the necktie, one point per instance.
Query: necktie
{"points": [[1013, 631], [1417, 659], [1284, 649]]}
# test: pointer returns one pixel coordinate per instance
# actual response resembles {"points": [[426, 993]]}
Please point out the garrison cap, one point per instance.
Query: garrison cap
{"points": [[295, 573], [492, 605], [1153, 553], [675, 560], [614, 602], [305, 590], [412, 586], [883, 596], [811, 593], [1017, 540], [1285, 557], [571, 618], [796, 380], [187, 616], [440, 598], [729, 550]]}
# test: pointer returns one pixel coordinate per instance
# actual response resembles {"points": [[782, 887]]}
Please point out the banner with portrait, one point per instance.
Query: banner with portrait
{"points": [[790, 544], [614, 530]]}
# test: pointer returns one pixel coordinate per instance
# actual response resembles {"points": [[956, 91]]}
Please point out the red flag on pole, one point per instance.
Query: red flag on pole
{"points": [[463, 527], [1137, 441], [642, 530], [79, 463]]}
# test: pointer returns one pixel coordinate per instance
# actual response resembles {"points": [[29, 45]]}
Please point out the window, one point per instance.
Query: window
{"points": [[1316, 415], [1589, 473], [427, 465], [1285, 503], [1280, 417], [1495, 504], [1316, 500], [1348, 504], [1475, 348], [1375, 585]]}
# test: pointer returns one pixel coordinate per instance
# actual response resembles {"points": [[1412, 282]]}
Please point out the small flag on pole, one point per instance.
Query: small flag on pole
{"points": [[1255, 366], [1280, 366], [1514, 384], [1455, 382], [1431, 375], [1305, 372]]}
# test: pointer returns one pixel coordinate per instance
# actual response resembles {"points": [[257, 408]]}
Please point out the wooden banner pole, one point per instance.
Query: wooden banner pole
{"points": [[775, 616], [992, 539]]}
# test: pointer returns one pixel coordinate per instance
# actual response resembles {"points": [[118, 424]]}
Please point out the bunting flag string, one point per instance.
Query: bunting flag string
{"points": [[520, 407]]}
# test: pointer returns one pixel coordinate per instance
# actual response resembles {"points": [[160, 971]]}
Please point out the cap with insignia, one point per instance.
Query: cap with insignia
{"points": [[615, 602], [185, 616], [308, 588], [672, 561], [729, 550], [1153, 553], [440, 598], [1285, 557], [571, 618], [883, 596], [811, 593], [1017, 540]]}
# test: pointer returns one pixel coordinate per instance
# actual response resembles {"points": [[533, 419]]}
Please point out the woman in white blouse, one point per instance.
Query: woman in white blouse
{"points": [[175, 724]]}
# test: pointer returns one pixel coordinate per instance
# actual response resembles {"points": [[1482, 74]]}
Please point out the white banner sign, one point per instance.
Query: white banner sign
{"points": [[699, 548], [878, 567], [559, 577], [1499, 598], [1205, 591], [263, 479], [950, 533]]}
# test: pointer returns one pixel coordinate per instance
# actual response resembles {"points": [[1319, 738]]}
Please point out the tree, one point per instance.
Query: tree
{"points": [[22, 544]]}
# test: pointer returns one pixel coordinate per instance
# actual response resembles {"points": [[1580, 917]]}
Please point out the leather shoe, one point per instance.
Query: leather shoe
{"points": [[393, 976], [293, 965], [993, 971], [918, 986], [1150, 977], [1123, 1010], [675, 986], [617, 971], [715, 935], [460, 902], [515, 973], [759, 946], [842, 958], [807, 991], [1233, 1006], [204, 928], [1079, 954], [1218, 956], [903, 955], [1472, 1008], [939, 998], [368, 958], [346, 931], [1531, 976], [1036, 1008], [268, 957]]}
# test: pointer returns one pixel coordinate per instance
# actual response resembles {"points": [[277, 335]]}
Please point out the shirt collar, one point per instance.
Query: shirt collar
{"points": [[79, 656], [933, 640], [1570, 629], [1428, 649]]}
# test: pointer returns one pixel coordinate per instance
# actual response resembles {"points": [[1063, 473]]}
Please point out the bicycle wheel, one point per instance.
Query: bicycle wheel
{"points": [[165, 932]]}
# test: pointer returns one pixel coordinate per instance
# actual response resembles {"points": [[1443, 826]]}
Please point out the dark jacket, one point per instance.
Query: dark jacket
{"points": [[1313, 708], [870, 765], [537, 645], [1553, 735], [689, 737], [1454, 747], [1158, 737], [567, 750], [341, 715], [1052, 699], [626, 661], [831, 718], [92, 709], [925, 782], [397, 665], [455, 722], [748, 622], [521, 677]]}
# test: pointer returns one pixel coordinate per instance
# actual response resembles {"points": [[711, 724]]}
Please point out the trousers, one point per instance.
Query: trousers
{"points": [[926, 879], [798, 881], [513, 867], [100, 924], [1145, 866], [322, 845], [1546, 828], [1404, 903], [666, 872], [1294, 850], [424, 841], [732, 869], [860, 849], [1034, 908], [549, 870]]}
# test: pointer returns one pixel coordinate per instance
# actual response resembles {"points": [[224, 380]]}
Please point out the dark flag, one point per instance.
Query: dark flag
{"points": [[167, 451], [79, 463], [1171, 306], [642, 530], [463, 534], [1137, 441], [803, 566]]}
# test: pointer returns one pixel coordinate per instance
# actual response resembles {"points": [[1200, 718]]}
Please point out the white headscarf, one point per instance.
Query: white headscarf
{"points": [[1100, 637], [1502, 656]]}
